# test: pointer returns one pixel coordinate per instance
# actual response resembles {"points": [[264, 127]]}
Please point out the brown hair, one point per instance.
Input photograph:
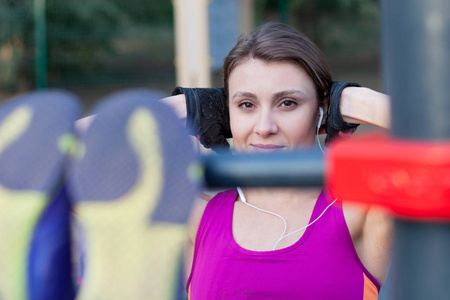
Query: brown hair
{"points": [[278, 42]]}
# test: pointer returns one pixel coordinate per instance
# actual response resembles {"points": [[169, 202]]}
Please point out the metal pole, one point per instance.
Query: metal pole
{"points": [[416, 45], [40, 39], [303, 168], [193, 60], [246, 17]]}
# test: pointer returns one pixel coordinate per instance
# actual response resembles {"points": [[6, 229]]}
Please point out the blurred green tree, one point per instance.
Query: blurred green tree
{"points": [[159, 12], [341, 28], [79, 35], [338, 25]]}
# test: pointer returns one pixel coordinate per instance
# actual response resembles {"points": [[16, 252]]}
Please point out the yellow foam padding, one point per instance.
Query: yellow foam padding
{"points": [[127, 256], [67, 144], [14, 125], [19, 212]]}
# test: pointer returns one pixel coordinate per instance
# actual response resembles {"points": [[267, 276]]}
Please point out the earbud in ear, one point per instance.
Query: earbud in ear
{"points": [[318, 127], [320, 118]]}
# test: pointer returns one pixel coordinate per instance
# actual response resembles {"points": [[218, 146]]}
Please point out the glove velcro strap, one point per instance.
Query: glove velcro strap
{"points": [[335, 122], [207, 114], [192, 117]]}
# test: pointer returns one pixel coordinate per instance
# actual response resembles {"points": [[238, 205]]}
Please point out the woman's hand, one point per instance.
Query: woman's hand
{"points": [[206, 111], [335, 123]]}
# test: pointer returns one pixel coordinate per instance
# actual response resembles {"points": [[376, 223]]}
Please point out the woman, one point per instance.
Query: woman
{"points": [[284, 243]]}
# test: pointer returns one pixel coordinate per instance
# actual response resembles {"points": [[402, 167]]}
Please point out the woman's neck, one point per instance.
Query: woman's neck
{"points": [[283, 197]]}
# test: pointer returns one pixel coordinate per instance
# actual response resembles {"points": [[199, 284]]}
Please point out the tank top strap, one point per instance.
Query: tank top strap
{"points": [[218, 208]]}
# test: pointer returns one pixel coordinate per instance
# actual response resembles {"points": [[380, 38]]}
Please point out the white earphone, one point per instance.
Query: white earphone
{"points": [[318, 127], [320, 118]]}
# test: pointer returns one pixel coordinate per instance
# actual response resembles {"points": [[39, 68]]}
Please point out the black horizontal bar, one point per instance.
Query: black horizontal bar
{"points": [[302, 168]]}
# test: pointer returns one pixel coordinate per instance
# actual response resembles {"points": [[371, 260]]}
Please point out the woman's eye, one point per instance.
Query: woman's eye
{"points": [[288, 103], [246, 105]]}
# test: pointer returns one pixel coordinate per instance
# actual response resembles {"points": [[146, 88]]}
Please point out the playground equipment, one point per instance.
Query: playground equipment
{"points": [[193, 26]]}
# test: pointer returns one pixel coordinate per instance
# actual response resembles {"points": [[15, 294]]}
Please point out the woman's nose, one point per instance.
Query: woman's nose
{"points": [[266, 124]]}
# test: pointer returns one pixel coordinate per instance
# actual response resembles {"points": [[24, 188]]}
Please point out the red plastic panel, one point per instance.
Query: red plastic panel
{"points": [[410, 178]]}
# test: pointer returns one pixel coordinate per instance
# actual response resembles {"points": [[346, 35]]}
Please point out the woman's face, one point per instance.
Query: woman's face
{"points": [[273, 107]]}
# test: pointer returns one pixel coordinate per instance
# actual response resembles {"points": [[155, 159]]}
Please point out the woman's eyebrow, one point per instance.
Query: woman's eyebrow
{"points": [[243, 94], [288, 92]]}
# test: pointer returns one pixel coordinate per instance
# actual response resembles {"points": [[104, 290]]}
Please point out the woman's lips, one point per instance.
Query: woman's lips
{"points": [[266, 148]]}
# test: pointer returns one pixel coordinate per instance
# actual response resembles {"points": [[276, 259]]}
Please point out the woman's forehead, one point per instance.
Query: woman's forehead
{"points": [[256, 76]]}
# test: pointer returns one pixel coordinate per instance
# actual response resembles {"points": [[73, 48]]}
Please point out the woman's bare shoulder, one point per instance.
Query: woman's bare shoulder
{"points": [[193, 223], [197, 213]]}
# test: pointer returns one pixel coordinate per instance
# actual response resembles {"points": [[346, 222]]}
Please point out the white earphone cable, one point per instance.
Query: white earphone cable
{"points": [[241, 194], [304, 227], [318, 141]]}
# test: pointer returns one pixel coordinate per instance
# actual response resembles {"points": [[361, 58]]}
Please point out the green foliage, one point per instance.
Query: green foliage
{"points": [[148, 12], [79, 35], [84, 35], [339, 27], [14, 23], [12, 17]]}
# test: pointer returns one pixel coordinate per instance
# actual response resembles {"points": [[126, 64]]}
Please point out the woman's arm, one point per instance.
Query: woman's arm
{"points": [[362, 105], [358, 105], [178, 105], [192, 227], [373, 244], [83, 124]]}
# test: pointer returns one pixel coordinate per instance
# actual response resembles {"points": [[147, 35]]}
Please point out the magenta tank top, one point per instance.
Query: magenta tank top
{"points": [[322, 264]]}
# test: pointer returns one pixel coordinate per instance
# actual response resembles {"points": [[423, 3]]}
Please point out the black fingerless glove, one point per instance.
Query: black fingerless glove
{"points": [[208, 116], [335, 122]]}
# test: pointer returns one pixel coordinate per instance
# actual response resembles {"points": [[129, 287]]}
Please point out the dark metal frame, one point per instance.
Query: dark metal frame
{"points": [[416, 59]]}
